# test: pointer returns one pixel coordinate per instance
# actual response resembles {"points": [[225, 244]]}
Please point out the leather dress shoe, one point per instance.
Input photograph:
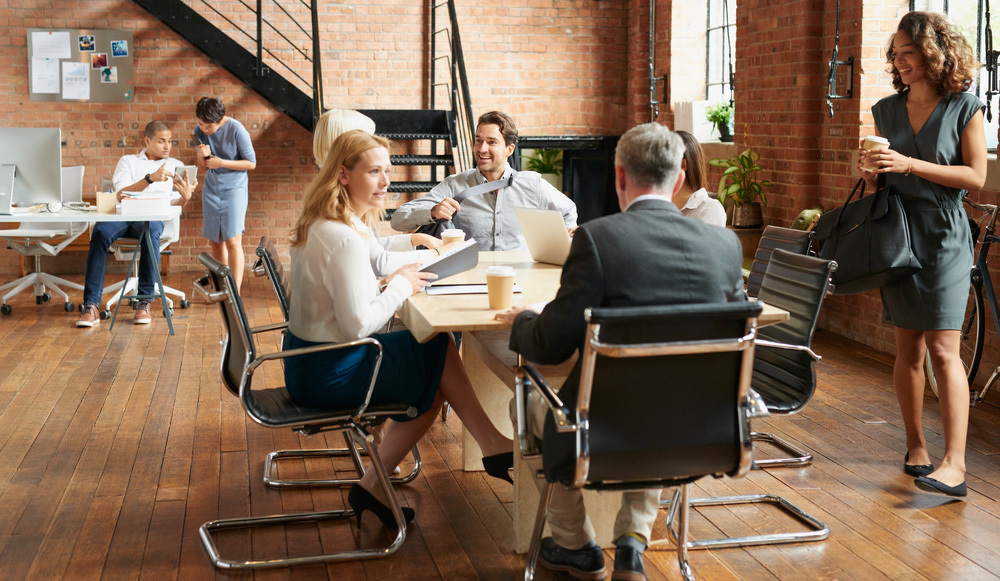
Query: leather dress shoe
{"points": [[916, 469], [929, 484], [585, 563], [628, 565]]}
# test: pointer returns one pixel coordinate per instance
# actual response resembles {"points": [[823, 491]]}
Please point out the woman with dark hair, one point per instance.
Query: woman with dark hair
{"points": [[937, 154], [226, 154], [692, 199], [336, 297]]}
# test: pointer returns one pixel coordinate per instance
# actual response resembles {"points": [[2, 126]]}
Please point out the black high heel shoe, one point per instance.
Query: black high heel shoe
{"points": [[499, 465], [362, 500]]}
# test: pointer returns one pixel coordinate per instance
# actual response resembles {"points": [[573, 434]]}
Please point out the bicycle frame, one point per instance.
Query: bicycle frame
{"points": [[983, 281]]}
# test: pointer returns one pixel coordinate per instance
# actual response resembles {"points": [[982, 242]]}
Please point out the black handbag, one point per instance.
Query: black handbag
{"points": [[436, 227], [870, 240]]}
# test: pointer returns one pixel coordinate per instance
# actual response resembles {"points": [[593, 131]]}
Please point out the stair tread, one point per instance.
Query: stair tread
{"points": [[411, 159], [413, 136]]}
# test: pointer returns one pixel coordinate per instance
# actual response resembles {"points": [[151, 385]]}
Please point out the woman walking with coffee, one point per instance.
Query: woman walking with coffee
{"points": [[937, 153]]}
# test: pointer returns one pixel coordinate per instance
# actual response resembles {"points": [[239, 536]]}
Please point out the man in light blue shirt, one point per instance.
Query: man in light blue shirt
{"points": [[488, 217]]}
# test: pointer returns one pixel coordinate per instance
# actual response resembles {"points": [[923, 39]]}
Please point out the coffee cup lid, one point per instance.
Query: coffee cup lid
{"points": [[877, 139], [499, 270]]}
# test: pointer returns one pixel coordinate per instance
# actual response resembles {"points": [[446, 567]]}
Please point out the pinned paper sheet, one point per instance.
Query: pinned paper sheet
{"points": [[75, 80], [50, 45], [44, 75]]}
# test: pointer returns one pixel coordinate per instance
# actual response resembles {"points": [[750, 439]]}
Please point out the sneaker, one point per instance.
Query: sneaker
{"points": [[90, 317], [142, 314], [586, 563]]}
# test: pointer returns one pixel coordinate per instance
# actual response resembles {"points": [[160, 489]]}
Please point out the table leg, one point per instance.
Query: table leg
{"points": [[146, 239], [494, 396]]}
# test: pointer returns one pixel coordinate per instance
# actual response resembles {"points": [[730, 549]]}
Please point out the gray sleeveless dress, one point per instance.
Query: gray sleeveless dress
{"points": [[934, 298]]}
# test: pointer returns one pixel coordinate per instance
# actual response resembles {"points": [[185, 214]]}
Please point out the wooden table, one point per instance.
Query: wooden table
{"points": [[492, 369]]}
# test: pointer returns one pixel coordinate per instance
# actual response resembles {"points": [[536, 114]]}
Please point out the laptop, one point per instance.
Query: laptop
{"points": [[545, 233]]}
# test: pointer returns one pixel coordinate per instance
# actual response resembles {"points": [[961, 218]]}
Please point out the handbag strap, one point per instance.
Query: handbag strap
{"points": [[484, 188], [861, 184]]}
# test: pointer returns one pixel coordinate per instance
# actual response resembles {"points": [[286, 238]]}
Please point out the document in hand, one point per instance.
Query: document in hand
{"points": [[460, 259]]}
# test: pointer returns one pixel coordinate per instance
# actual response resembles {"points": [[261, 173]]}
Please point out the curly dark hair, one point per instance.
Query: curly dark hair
{"points": [[949, 61]]}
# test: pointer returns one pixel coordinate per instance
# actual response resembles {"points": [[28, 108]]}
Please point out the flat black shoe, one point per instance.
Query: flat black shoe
{"points": [[628, 565], [499, 465], [586, 563], [929, 484], [362, 500], [916, 469]]}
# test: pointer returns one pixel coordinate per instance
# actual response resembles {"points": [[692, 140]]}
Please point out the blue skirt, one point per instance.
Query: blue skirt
{"points": [[410, 373]]}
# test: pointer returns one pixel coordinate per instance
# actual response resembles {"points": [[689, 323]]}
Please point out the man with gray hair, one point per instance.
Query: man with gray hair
{"points": [[649, 254]]}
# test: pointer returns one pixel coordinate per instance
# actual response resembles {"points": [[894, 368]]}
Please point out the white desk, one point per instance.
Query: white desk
{"points": [[68, 215]]}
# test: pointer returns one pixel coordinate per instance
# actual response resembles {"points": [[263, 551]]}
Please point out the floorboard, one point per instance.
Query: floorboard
{"points": [[116, 445]]}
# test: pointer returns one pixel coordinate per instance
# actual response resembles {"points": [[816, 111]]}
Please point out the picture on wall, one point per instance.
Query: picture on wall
{"points": [[119, 48], [87, 43], [109, 75], [98, 60]]}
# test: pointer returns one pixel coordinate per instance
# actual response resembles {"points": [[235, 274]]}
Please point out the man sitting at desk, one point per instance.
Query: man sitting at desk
{"points": [[150, 171], [488, 217], [650, 254]]}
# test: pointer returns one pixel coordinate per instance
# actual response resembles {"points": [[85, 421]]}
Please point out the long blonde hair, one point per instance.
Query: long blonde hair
{"points": [[325, 197]]}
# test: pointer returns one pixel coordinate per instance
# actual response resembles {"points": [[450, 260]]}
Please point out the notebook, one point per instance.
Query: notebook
{"points": [[546, 235], [459, 259]]}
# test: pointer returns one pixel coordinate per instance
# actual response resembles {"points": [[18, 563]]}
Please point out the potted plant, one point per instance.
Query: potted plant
{"points": [[720, 115], [742, 188], [547, 162]]}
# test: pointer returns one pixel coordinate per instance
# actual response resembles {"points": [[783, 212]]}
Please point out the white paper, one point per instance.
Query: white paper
{"points": [[75, 80], [50, 45], [461, 289], [44, 75]]}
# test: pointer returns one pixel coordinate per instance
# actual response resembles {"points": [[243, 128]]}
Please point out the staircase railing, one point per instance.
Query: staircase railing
{"points": [[456, 82]]}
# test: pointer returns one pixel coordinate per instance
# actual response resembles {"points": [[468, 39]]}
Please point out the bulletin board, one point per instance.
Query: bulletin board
{"points": [[80, 65]]}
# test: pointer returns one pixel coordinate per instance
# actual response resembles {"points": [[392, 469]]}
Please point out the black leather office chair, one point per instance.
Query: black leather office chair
{"points": [[272, 407], [783, 373], [797, 241], [267, 265], [663, 401]]}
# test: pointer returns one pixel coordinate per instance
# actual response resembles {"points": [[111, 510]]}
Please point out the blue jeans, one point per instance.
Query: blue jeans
{"points": [[101, 236]]}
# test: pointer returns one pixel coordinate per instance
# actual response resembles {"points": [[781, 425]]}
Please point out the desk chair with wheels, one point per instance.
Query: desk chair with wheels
{"points": [[47, 239], [267, 265], [783, 369], [272, 407], [663, 401], [124, 248], [797, 241]]}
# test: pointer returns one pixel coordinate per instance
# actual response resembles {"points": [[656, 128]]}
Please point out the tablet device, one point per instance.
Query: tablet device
{"points": [[190, 171], [460, 259], [546, 235]]}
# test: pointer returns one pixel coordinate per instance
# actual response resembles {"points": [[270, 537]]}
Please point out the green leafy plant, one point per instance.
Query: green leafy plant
{"points": [[740, 183], [545, 161], [719, 114]]}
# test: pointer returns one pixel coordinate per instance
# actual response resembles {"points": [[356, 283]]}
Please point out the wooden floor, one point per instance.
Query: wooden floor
{"points": [[117, 445]]}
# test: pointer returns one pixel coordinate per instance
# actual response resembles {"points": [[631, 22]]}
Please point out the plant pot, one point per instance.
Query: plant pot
{"points": [[724, 135], [748, 216]]}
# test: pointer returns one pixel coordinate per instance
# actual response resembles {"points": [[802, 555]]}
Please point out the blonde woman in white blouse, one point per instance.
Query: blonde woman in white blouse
{"points": [[692, 199], [336, 297]]}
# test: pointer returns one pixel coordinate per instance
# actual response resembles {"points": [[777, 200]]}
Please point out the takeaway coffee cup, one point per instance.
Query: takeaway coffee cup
{"points": [[106, 202], [500, 286], [874, 143], [452, 235]]}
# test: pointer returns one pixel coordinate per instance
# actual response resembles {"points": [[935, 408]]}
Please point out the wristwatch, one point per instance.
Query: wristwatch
{"points": [[148, 181]]}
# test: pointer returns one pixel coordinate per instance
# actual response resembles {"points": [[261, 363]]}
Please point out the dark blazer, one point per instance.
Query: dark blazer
{"points": [[648, 255]]}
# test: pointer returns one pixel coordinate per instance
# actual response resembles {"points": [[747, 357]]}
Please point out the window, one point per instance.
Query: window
{"points": [[721, 53], [970, 17]]}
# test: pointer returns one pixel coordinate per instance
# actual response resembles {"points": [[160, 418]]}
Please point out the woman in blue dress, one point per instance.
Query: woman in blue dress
{"points": [[225, 154], [937, 154], [336, 297]]}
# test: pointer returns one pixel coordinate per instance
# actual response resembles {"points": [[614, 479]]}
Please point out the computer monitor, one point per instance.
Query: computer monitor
{"points": [[30, 165]]}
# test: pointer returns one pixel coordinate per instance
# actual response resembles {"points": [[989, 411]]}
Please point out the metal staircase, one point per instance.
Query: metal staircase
{"points": [[436, 141]]}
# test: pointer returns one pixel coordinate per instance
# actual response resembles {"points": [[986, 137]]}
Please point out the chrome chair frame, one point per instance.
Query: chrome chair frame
{"points": [[577, 420], [271, 407], [266, 265]]}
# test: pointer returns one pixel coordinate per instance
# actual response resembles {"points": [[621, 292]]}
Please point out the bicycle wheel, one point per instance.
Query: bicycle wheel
{"points": [[971, 349]]}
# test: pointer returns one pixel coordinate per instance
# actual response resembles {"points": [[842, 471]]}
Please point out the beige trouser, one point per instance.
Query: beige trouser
{"points": [[567, 515]]}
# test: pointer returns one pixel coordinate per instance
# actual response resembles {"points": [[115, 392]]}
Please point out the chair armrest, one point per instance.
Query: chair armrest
{"points": [[258, 268], [272, 327], [776, 345], [756, 406], [530, 378], [201, 288]]}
